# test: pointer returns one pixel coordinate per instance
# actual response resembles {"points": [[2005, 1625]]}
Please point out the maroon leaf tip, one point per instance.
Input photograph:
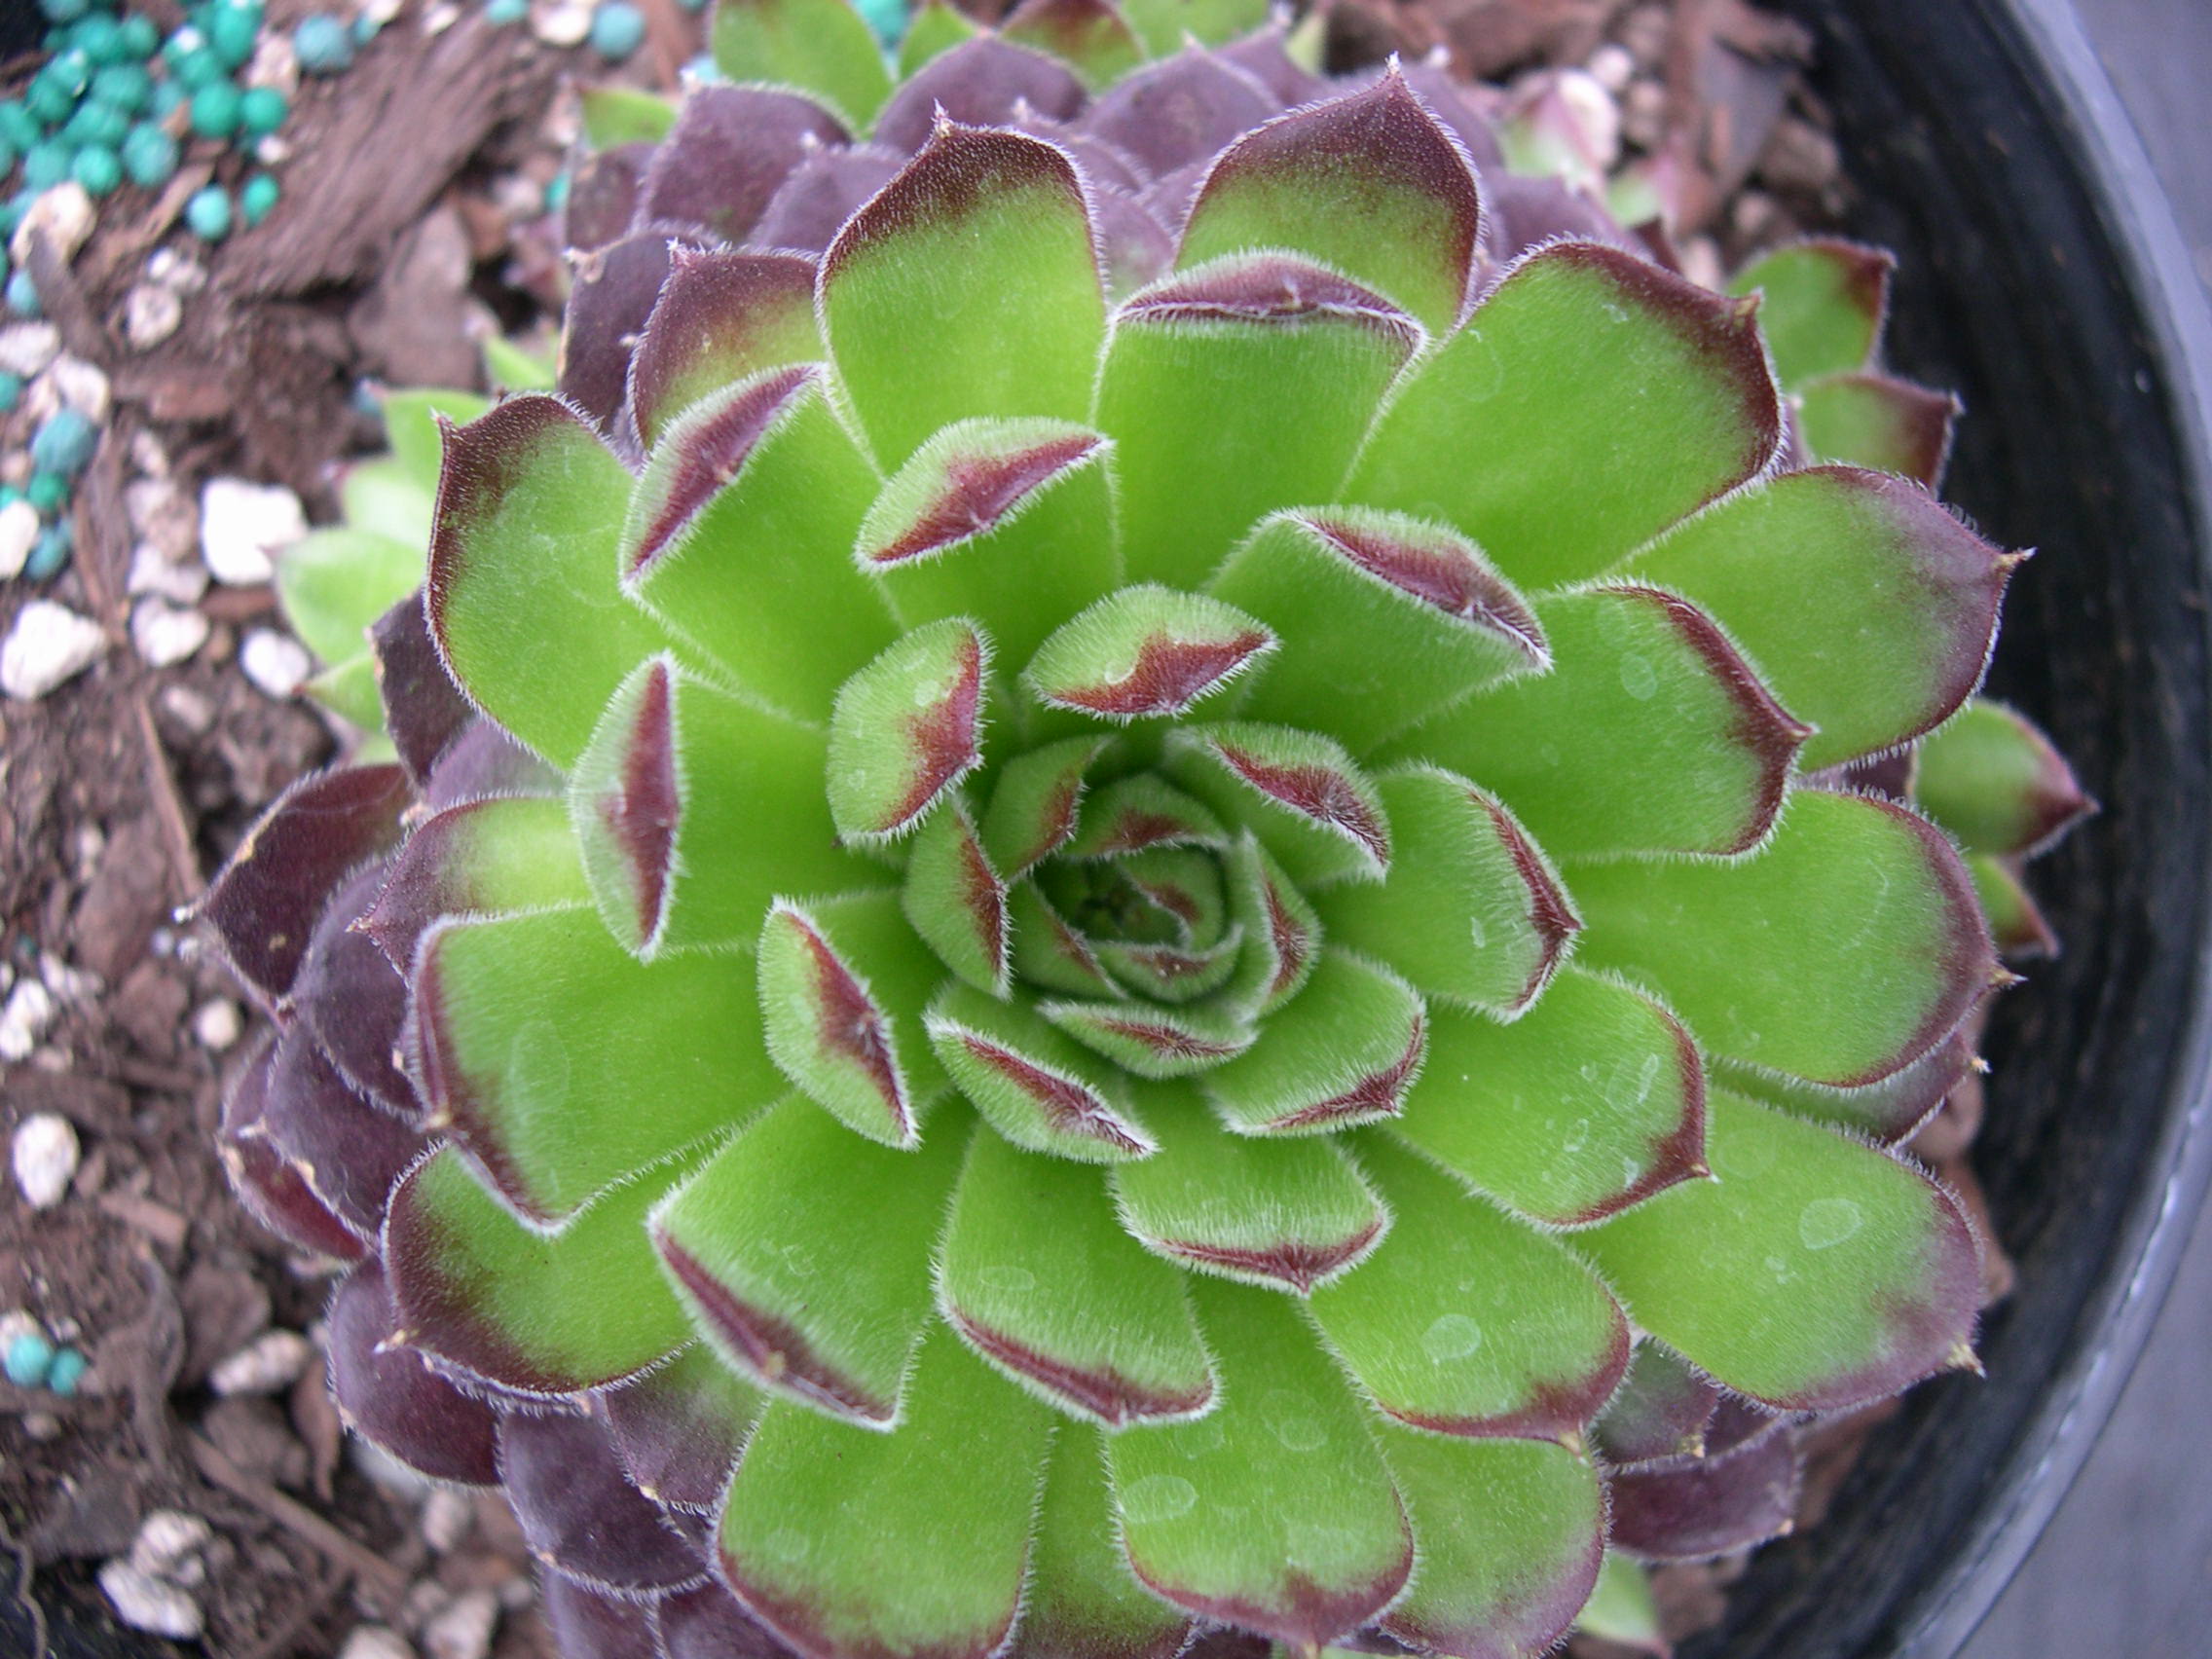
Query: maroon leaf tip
{"points": [[1299, 1263], [1277, 288], [768, 1345], [980, 489], [1169, 676], [1550, 914], [1308, 1615], [960, 169], [1065, 1104], [1379, 1094], [851, 1026], [1437, 573], [712, 452], [1104, 1391], [1317, 792]]}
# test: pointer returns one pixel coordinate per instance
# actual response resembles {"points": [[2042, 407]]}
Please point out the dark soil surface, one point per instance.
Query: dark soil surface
{"points": [[410, 217]]}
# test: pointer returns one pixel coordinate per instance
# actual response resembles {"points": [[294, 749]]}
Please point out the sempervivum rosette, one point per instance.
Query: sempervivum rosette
{"points": [[1116, 836]]}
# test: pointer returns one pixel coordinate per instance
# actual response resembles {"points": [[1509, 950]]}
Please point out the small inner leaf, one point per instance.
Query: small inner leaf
{"points": [[721, 317], [1824, 302], [1994, 781], [1878, 421], [1281, 934], [1299, 793], [1153, 1042], [822, 47], [1347, 1056], [1034, 803], [1133, 814], [1145, 651], [1035, 1086], [956, 901], [906, 730], [825, 1027]]}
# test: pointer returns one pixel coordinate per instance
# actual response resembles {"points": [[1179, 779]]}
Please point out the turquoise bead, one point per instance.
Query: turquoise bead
{"points": [[99, 37], [18, 126], [51, 551], [149, 156], [28, 1359], [64, 11], [217, 109], [257, 197], [45, 164], [232, 31], [10, 394], [98, 168], [168, 96], [501, 12], [261, 111], [141, 36], [324, 45], [69, 1366], [618, 29], [125, 87], [49, 492], [96, 122], [65, 443], [22, 294], [208, 213], [199, 67]]}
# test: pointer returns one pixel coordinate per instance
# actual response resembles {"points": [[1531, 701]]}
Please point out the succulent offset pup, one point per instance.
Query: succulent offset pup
{"points": [[1149, 878]]}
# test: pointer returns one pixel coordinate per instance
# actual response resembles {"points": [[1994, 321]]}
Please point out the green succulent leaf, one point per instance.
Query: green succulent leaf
{"points": [[1582, 350], [624, 115], [1348, 1057], [1511, 1535], [956, 901], [1035, 803], [535, 1041], [1465, 1322], [1878, 421], [334, 583], [1039, 1277], [1145, 651], [1216, 1519], [1139, 812], [1048, 952], [1383, 619], [1164, 26], [932, 29], [720, 318], [541, 1313], [821, 47], [349, 691], [1007, 522], [1235, 389], [2015, 921], [1824, 302], [1281, 933], [693, 810], [906, 730], [1032, 1084], [803, 1252], [1469, 909], [1090, 36], [1289, 1213], [484, 858], [986, 233], [1084, 1600], [1622, 1609], [1888, 1111], [1878, 625], [1652, 734], [1814, 1274], [382, 497], [1847, 950], [1154, 1042], [1996, 782], [522, 599], [1586, 1104], [1372, 185], [851, 1044], [1300, 793], [857, 1545], [726, 539]]}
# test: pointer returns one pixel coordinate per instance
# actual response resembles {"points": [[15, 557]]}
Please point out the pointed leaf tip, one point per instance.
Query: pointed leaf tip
{"points": [[906, 730], [1371, 183], [1145, 651], [705, 447], [827, 1032]]}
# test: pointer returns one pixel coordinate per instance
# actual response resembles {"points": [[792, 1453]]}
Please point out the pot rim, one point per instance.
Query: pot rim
{"points": [[2048, 36]]}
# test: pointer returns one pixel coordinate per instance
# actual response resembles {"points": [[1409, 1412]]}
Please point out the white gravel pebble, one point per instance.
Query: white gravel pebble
{"points": [[241, 527], [163, 516], [19, 1322], [23, 1019], [45, 1154], [276, 662], [274, 63], [564, 23], [1614, 66], [376, 1642], [447, 1516], [27, 347], [174, 269], [19, 535], [273, 1360], [151, 313], [216, 1025], [463, 1629], [49, 645], [62, 214], [83, 386], [148, 1604], [154, 573], [168, 1544], [166, 633]]}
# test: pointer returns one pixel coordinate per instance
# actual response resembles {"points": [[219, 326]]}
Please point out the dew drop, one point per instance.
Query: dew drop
{"points": [[1202, 1438], [1014, 1280], [1639, 679], [1290, 1415], [1451, 1335], [1150, 1499], [1828, 1222]]}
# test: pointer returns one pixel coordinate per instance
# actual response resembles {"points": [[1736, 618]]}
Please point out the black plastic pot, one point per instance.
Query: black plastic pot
{"points": [[2042, 278]]}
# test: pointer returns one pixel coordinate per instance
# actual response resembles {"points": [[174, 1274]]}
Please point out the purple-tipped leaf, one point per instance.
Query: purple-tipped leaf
{"points": [[1348, 1057], [1035, 802], [267, 1181], [731, 149], [484, 858], [906, 730], [395, 1401], [1878, 421], [1145, 652], [422, 708], [612, 296], [720, 317], [1089, 34], [1182, 111], [1301, 793], [1996, 782], [956, 901], [578, 1511], [1712, 1507], [1033, 1084], [677, 1428], [983, 82], [1825, 301], [1661, 1414]]}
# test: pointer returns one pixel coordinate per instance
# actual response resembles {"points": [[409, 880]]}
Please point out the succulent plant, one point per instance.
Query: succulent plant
{"points": [[1134, 813]]}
